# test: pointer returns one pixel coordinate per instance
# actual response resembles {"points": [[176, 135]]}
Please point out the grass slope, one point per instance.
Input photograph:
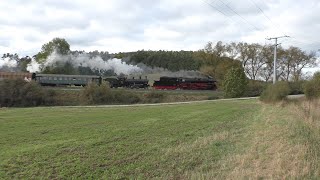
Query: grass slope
{"points": [[226, 139]]}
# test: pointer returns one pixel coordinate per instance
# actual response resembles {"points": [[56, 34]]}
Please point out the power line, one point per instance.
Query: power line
{"points": [[230, 10], [258, 29], [225, 13], [214, 7], [267, 17]]}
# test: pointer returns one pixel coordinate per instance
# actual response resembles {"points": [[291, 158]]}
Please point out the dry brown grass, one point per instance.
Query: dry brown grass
{"points": [[309, 111], [272, 153], [199, 143]]}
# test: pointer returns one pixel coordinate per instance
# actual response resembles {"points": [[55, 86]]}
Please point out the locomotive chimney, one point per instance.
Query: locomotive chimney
{"points": [[132, 77], [139, 77], [146, 77]]}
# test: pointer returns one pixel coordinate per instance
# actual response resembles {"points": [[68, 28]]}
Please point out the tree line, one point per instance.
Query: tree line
{"points": [[214, 59], [171, 60]]}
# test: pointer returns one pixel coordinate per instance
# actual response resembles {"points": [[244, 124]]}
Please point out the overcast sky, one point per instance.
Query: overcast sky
{"points": [[126, 25]]}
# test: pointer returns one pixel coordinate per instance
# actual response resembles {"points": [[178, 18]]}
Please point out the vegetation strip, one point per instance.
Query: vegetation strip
{"points": [[156, 104]]}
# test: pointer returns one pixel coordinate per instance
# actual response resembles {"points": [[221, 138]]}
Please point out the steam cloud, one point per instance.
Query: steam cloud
{"points": [[8, 64], [84, 60], [34, 66], [118, 66], [165, 72]]}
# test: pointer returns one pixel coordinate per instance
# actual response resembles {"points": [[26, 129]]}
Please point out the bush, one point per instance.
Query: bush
{"points": [[255, 88], [154, 97], [296, 87], [19, 93], [94, 94], [51, 98], [312, 87], [125, 97], [235, 83], [275, 92]]}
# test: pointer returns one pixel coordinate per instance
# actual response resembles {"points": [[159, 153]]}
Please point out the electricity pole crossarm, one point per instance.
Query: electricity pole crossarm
{"points": [[275, 56]]}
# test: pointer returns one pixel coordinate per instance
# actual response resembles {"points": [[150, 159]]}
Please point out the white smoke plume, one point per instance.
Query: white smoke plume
{"points": [[33, 66], [84, 60], [118, 66], [166, 72], [8, 64]]}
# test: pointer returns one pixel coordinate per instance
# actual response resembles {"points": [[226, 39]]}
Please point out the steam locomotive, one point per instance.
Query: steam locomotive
{"points": [[173, 83], [165, 83]]}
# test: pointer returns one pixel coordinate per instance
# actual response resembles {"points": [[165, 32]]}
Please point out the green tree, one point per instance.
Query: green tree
{"points": [[215, 61], [235, 83], [60, 68], [60, 45], [23, 63]]}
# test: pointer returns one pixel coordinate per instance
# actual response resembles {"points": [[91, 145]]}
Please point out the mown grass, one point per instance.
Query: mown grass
{"points": [[146, 142], [214, 140]]}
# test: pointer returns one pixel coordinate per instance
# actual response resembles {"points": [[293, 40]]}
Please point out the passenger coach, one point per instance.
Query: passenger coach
{"points": [[59, 79]]}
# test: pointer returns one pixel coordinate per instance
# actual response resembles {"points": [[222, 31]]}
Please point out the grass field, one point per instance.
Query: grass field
{"points": [[222, 139]]}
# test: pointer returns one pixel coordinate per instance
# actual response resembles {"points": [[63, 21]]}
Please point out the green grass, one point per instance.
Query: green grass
{"points": [[215, 140], [162, 141]]}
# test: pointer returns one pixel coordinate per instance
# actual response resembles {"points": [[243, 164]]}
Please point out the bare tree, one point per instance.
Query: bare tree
{"points": [[266, 71], [292, 61], [252, 57]]}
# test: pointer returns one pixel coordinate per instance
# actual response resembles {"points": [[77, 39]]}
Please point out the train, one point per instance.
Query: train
{"points": [[77, 80], [164, 83], [173, 83]]}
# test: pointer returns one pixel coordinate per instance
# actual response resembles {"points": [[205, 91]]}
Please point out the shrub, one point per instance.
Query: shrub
{"points": [[51, 98], [312, 87], [255, 88], [296, 87], [32, 95], [125, 97], [154, 97], [19, 93], [94, 94], [275, 92], [235, 83]]}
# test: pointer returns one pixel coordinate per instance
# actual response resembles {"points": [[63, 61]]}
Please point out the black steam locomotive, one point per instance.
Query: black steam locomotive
{"points": [[172, 83], [125, 82]]}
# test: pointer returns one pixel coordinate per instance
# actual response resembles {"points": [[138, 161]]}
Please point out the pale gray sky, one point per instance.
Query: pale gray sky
{"points": [[125, 25]]}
